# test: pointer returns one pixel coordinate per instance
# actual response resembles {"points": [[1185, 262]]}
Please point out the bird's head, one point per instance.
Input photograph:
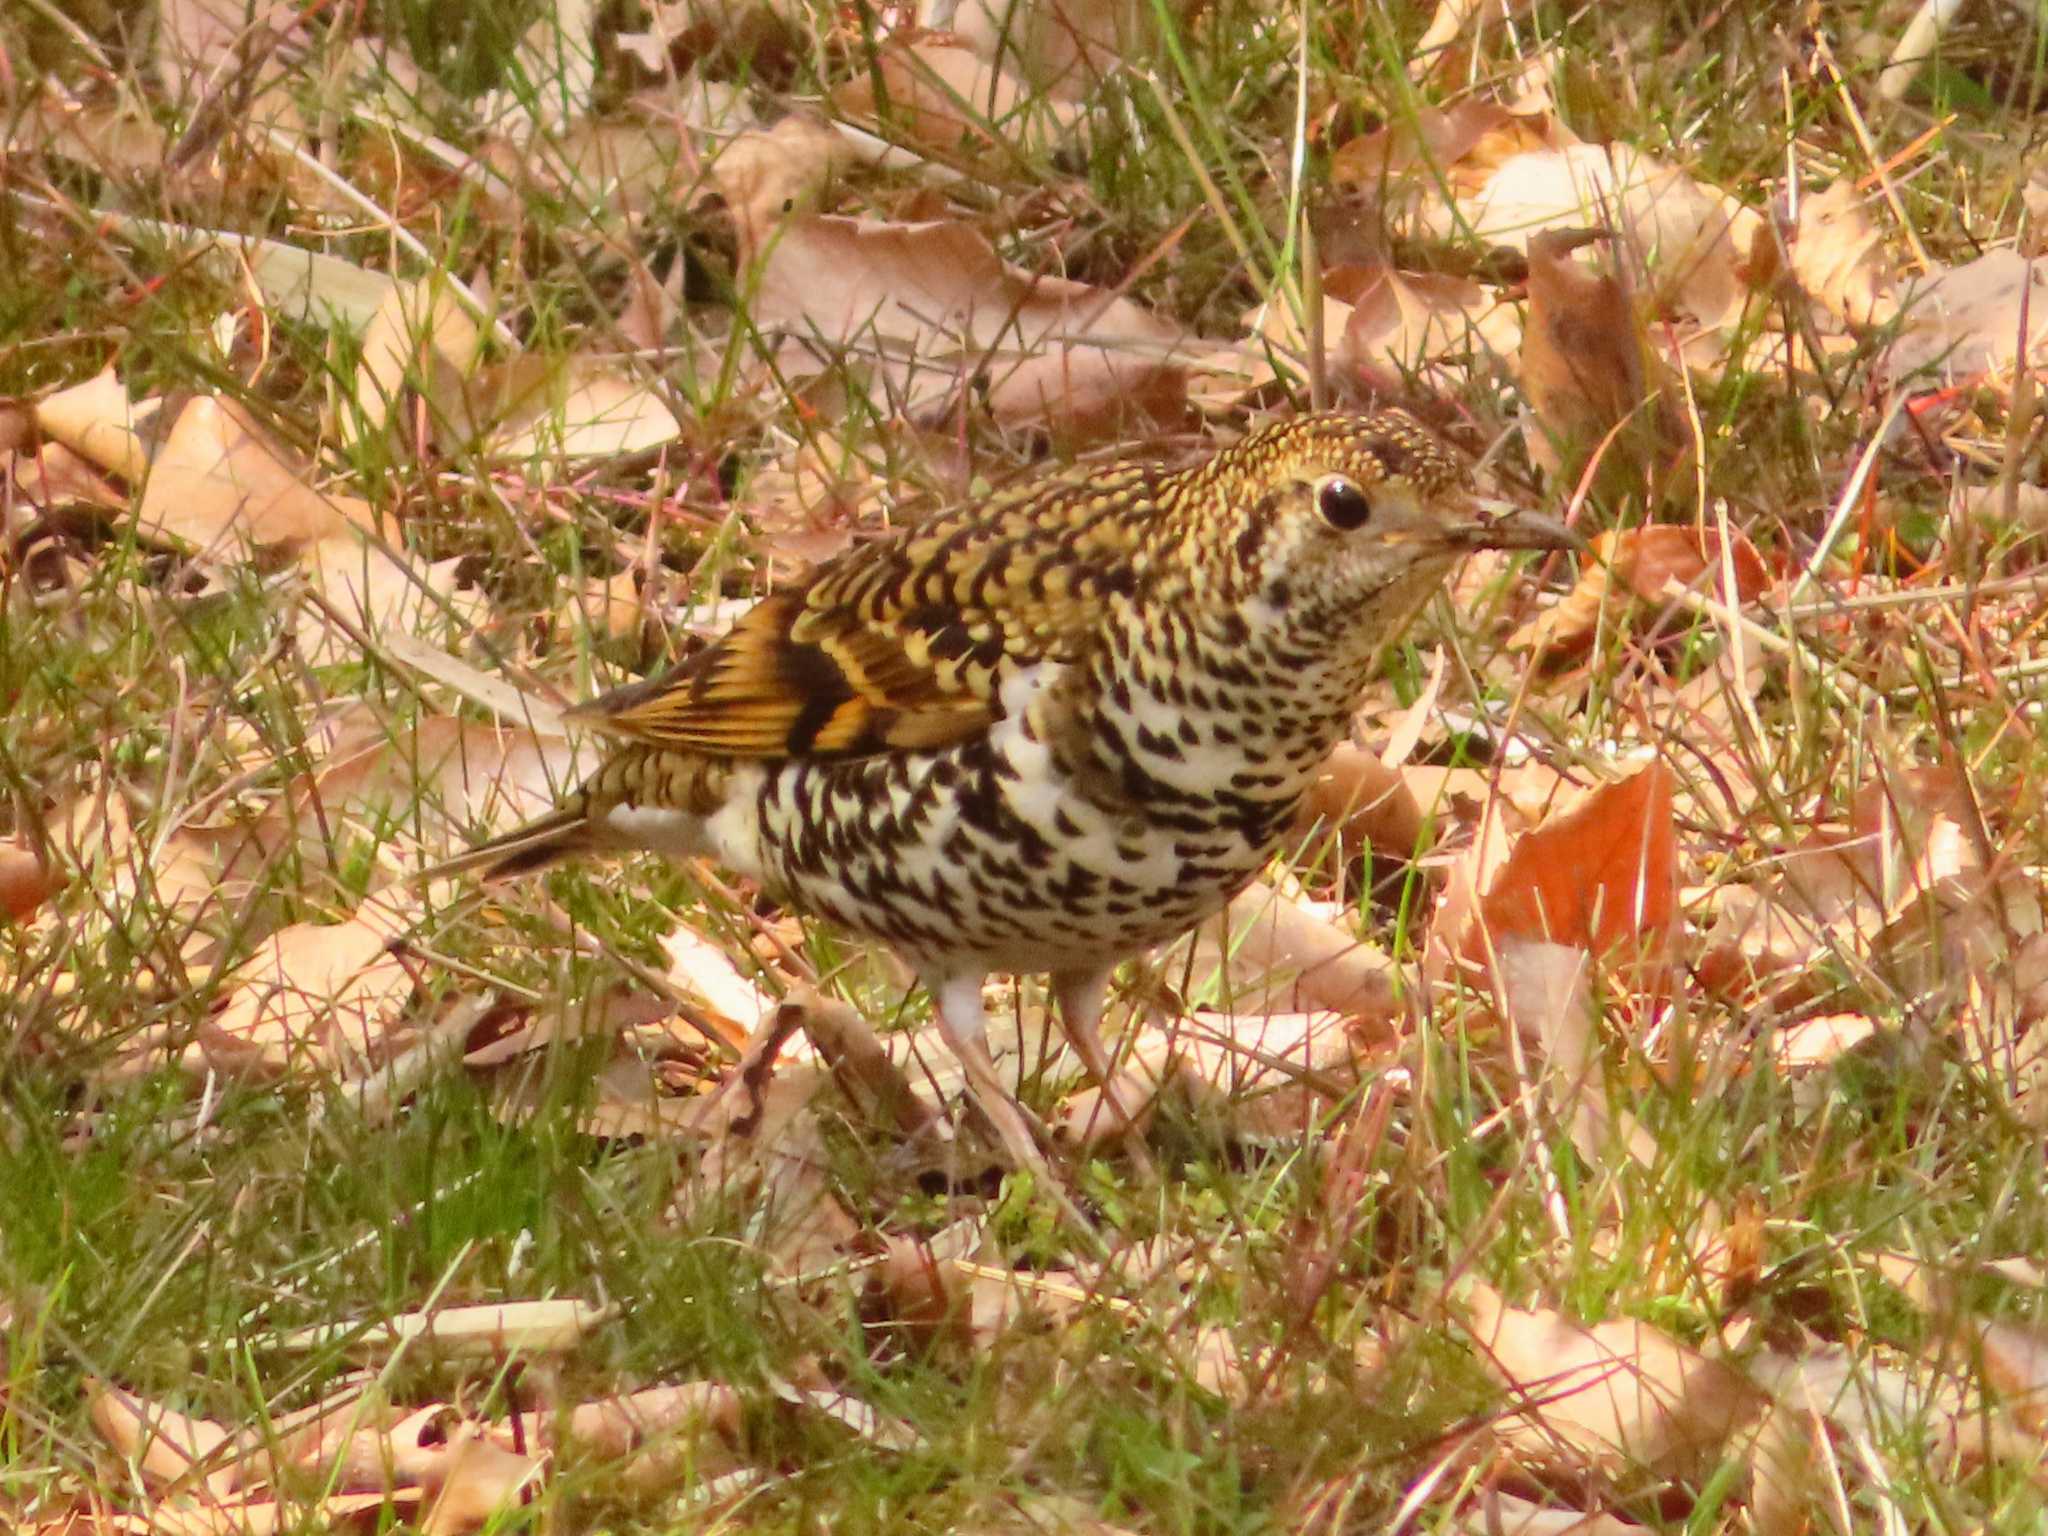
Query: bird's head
{"points": [[1332, 523]]}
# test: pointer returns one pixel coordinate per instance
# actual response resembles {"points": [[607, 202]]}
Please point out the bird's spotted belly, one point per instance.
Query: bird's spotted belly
{"points": [[963, 856]]}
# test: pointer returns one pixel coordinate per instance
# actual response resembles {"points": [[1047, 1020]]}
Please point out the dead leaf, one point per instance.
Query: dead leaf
{"points": [[1964, 322], [1607, 1395], [316, 994], [95, 421], [1547, 994], [221, 485], [765, 175], [1601, 876], [1584, 371], [1406, 324], [1643, 563], [475, 1481], [25, 880], [932, 310], [1839, 259], [171, 1449], [949, 97]]}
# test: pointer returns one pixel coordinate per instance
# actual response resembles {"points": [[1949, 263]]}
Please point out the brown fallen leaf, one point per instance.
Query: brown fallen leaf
{"points": [[1641, 564], [944, 94], [1602, 876], [1584, 371], [1405, 324], [1839, 259], [319, 995], [931, 310], [1607, 1395], [221, 485], [26, 881]]}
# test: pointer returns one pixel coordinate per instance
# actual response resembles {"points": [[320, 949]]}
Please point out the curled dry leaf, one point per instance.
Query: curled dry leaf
{"points": [[1406, 324], [1547, 990], [1839, 259], [221, 485], [172, 1450], [1365, 802], [949, 97], [1602, 876], [1964, 322], [1607, 1395], [1644, 564], [1585, 370], [315, 994], [932, 310], [95, 421]]}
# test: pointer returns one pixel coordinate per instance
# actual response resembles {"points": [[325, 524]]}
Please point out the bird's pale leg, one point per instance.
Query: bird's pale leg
{"points": [[963, 1022], [1080, 996]]}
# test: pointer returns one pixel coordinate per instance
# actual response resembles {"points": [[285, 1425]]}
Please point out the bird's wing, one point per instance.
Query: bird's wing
{"points": [[903, 644]]}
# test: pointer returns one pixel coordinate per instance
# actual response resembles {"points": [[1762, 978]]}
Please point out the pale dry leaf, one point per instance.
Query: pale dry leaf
{"points": [[707, 969], [1696, 237], [2016, 1368], [654, 1437], [765, 175], [585, 409], [380, 592], [1547, 995], [490, 1330], [932, 308], [1502, 1514], [95, 421], [116, 138], [416, 324], [949, 97], [462, 774], [221, 484], [1607, 1395], [321, 995], [476, 1481], [1065, 47], [52, 478], [1839, 258], [1820, 1041], [1419, 323], [1280, 954], [1455, 150], [1964, 322], [170, 1449]]}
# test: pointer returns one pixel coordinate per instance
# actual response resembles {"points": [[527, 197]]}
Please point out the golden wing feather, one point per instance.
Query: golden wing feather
{"points": [[903, 644]]}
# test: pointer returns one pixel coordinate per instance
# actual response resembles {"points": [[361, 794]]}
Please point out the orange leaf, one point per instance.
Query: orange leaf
{"points": [[1603, 874]]}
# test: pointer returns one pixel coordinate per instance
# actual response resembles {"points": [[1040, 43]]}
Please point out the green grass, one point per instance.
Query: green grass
{"points": [[159, 1229]]}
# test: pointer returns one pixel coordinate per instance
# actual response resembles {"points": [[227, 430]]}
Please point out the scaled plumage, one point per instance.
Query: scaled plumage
{"points": [[1045, 731]]}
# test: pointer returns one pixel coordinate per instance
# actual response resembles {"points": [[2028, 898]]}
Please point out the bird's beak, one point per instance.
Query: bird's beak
{"points": [[1513, 529]]}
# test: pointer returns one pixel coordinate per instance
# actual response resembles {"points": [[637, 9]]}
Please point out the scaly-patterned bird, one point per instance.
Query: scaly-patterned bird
{"points": [[1047, 730]]}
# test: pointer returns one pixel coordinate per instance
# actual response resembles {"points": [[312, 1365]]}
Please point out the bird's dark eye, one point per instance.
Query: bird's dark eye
{"points": [[1343, 505]]}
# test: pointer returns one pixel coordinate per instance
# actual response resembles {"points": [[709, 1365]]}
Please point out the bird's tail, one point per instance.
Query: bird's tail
{"points": [[562, 833]]}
